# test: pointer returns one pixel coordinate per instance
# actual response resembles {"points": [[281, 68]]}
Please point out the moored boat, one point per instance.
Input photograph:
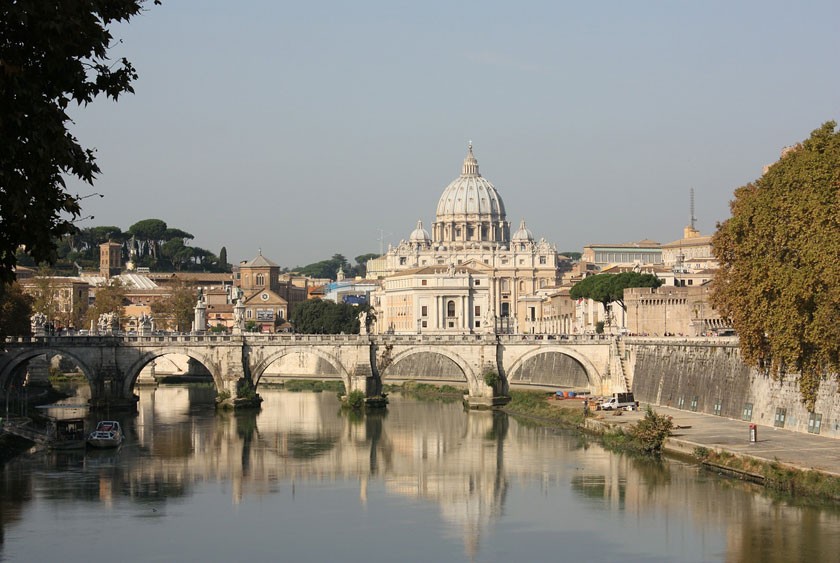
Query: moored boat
{"points": [[66, 434], [108, 434]]}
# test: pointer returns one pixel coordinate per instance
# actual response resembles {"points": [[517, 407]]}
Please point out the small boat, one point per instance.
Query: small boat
{"points": [[66, 434], [107, 434]]}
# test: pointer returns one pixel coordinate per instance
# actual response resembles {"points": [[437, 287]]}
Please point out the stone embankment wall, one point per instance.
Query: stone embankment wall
{"points": [[709, 376]]}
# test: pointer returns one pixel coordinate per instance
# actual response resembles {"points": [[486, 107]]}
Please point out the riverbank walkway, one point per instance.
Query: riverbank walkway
{"points": [[692, 430]]}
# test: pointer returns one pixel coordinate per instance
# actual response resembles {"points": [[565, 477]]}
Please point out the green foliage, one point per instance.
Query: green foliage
{"points": [[53, 55], [223, 263], [572, 255], [650, 433], [329, 268], [148, 229], [356, 400], [246, 391], [779, 272], [318, 316], [177, 310], [109, 299], [296, 385], [491, 378], [15, 310], [599, 327], [609, 288], [536, 404], [223, 396], [250, 326]]}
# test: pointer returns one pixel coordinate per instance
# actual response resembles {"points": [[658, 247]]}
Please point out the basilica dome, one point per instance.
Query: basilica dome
{"points": [[470, 209], [470, 194]]}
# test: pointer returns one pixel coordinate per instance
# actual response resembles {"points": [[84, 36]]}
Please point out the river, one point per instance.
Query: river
{"points": [[424, 481]]}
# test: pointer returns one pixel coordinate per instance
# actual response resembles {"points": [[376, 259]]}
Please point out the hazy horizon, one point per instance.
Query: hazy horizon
{"points": [[306, 130]]}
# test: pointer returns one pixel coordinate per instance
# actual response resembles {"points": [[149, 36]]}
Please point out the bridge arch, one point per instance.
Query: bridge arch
{"points": [[259, 368], [147, 355], [15, 360], [467, 371], [592, 375]]}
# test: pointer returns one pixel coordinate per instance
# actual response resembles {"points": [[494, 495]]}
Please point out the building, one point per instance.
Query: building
{"points": [[434, 300], [64, 300], [645, 252], [691, 253], [471, 233], [672, 311], [269, 299]]}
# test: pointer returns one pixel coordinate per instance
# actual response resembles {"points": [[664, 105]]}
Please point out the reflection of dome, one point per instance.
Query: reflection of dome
{"points": [[420, 235], [523, 234], [470, 209]]}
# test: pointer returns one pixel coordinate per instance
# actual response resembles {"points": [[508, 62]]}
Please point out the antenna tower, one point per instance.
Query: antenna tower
{"points": [[382, 237], [693, 218]]}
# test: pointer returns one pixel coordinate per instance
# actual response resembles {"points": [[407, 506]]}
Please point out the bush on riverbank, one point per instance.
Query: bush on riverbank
{"points": [[646, 436]]}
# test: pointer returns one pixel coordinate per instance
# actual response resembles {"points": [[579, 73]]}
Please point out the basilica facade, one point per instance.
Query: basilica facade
{"points": [[469, 274]]}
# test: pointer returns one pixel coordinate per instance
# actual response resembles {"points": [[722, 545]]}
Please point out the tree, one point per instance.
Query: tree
{"points": [[177, 311], [223, 263], [52, 54], [779, 277], [609, 288], [109, 299], [15, 311], [326, 268], [318, 316], [361, 263]]}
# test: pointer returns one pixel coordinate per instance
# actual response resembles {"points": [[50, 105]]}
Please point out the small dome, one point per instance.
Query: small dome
{"points": [[523, 234], [420, 234]]}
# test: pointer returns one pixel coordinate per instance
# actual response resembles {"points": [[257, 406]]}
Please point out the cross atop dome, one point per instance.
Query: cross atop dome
{"points": [[470, 163]]}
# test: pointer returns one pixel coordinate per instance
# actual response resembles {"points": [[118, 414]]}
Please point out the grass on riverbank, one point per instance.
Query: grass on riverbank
{"points": [[535, 404], [315, 386], [776, 476], [428, 391]]}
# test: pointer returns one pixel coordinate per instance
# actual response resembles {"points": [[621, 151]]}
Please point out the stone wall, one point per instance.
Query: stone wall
{"points": [[710, 377]]}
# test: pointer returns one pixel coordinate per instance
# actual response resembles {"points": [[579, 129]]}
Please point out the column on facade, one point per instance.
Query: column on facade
{"points": [[463, 312]]}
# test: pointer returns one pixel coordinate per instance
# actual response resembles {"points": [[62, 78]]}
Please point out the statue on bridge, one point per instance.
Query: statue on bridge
{"points": [[38, 324], [144, 324], [108, 323]]}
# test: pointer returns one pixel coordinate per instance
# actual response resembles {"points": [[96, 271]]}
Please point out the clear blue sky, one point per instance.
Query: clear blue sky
{"points": [[303, 128]]}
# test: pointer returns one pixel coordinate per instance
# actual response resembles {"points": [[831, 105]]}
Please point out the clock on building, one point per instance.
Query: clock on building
{"points": [[264, 296]]}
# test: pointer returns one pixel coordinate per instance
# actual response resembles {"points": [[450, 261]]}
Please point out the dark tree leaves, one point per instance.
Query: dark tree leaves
{"points": [[52, 54], [779, 277]]}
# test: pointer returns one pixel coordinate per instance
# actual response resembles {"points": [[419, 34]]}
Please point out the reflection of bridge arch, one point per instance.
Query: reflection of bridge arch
{"points": [[259, 368], [593, 377], [15, 361], [149, 355], [467, 372]]}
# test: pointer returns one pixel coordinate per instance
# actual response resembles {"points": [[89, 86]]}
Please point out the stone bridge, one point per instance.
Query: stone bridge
{"points": [[112, 364]]}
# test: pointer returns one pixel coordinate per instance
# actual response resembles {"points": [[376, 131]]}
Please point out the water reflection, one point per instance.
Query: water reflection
{"points": [[499, 487]]}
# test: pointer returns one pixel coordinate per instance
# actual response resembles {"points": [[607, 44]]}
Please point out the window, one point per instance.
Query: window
{"points": [[814, 422], [505, 284], [478, 310], [402, 260], [746, 414], [477, 324], [522, 286], [477, 282], [542, 259], [505, 309], [422, 282], [424, 311], [424, 324], [779, 420], [450, 309], [260, 279]]}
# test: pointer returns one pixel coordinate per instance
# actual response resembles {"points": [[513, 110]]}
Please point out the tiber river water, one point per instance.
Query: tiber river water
{"points": [[425, 481]]}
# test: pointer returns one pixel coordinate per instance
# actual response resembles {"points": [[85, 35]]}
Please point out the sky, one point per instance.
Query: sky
{"points": [[305, 129]]}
